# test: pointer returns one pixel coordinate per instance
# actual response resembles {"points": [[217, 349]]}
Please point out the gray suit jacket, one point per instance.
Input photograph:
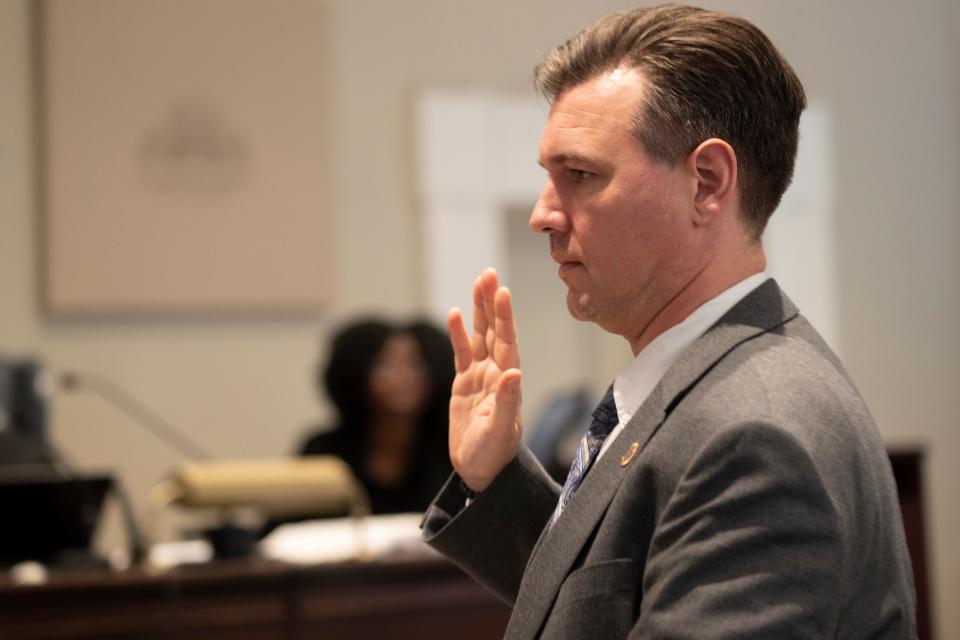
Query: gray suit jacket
{"points": [[760, 504]]}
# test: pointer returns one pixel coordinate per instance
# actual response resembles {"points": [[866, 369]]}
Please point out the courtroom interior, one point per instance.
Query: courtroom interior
{"points": [[230, 232]]}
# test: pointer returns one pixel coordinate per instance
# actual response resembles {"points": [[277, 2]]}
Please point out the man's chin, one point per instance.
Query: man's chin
{"points": [[578, 304]]}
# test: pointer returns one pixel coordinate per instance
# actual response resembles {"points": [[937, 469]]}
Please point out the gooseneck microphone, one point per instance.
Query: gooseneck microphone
{"points": [[135, 409], [145, 417]]}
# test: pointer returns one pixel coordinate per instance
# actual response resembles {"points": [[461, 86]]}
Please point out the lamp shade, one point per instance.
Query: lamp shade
{"points": [[315, 485]]}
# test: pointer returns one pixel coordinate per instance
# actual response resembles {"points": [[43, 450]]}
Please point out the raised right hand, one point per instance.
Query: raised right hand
{"points": [[485, 424]]}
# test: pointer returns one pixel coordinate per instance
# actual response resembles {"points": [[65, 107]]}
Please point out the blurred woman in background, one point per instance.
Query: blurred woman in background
{"points": [[391, 388]]}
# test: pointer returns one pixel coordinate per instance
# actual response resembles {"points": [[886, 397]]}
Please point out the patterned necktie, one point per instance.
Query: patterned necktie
{"points": [[604, 420]]}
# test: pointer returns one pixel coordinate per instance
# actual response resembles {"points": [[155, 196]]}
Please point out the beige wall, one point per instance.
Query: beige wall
{"points": [[888, 72]]}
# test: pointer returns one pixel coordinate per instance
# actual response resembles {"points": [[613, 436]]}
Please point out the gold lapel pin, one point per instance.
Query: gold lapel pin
{"points": [[630, 454]]}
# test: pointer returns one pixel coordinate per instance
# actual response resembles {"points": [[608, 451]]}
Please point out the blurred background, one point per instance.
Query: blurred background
{"points": [[406, 161]]}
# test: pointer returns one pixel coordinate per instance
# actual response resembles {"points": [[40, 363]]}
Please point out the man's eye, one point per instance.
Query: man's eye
{"points": [[579, 175]]}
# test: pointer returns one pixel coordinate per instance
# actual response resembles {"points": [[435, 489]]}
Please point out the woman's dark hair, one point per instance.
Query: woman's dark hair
{"points": [[347, 372], [438, 358], [353, 352]]}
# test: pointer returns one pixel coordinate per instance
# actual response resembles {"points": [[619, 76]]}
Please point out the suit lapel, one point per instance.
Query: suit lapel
{"points": [[765, 308], [762, 310]]}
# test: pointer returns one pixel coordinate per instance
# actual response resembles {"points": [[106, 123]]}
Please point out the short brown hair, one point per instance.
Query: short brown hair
{"points": [[709, 75]]}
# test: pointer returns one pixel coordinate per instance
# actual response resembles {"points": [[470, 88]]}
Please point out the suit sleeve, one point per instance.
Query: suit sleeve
{"points": [[748, 546], [492, 538]]}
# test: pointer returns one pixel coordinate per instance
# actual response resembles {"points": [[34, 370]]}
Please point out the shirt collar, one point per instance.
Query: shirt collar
{"points": [[634, 384]]}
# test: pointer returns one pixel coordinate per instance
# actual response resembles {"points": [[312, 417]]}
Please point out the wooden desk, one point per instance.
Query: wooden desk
{"points": [[419, 599]]}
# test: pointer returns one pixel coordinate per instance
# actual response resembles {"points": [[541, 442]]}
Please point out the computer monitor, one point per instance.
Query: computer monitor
{"points": [[48, 518]]}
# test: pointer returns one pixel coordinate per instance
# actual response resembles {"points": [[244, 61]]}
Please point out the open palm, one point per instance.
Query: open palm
{"points": [[485, 425]]}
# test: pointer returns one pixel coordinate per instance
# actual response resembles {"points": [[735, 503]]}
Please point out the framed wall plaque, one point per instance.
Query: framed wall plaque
{"points": [[184, 155]]}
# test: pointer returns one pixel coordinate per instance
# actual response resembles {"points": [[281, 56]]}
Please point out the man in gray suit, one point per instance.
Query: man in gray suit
{"points": [[732, 483]]}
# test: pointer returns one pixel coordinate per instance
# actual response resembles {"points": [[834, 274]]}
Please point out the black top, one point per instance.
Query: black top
{"points": [[427, 472]]}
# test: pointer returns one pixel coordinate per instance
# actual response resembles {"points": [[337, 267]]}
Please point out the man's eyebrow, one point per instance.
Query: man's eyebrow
{"points": [[561, 159]]}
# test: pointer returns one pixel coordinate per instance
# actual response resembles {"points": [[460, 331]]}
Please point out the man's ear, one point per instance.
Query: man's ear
{"points": [[714, 165]]}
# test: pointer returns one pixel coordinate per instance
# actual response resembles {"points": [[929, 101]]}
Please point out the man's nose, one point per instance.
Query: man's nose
{"points": [[548, 215]]}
